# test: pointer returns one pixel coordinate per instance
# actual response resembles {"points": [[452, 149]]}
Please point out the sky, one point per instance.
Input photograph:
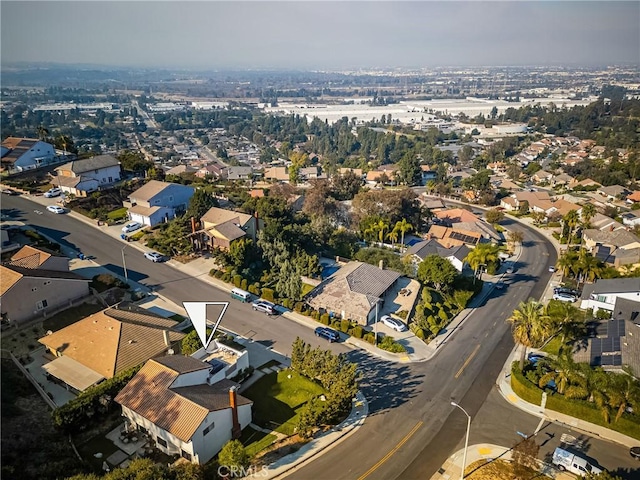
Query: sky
{"points": [[320, 35]]}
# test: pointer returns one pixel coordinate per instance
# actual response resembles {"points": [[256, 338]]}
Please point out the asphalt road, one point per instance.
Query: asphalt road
{"points": [[412, 428]]}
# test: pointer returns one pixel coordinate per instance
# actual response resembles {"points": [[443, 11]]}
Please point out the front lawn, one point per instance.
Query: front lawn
{"points": [[278, 398]]}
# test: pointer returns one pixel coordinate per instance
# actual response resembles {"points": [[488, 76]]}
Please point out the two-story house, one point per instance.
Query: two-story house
{"points": [[20, 154], [603, 294], [158, 202], [221, 227], [80, 177], [186, 406]]}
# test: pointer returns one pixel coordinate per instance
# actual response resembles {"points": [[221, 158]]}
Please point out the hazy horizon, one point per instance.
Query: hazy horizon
{"points": [[346, 35]]}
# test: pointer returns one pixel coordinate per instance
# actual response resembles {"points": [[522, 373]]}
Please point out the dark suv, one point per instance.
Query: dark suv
{"points": [[328, 333]]}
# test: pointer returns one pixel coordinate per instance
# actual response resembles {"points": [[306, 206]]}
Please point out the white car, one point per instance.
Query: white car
{"points": [[154, 256], [394, 324], [264, 306], [53, 192], [56, 209], [131, 227], [564, 297]]}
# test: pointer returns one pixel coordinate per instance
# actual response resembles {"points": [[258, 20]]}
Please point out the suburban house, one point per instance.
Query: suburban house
{"points": [[542, 176], [537, 201], [421, 250], [279, 174], [427, 174], [604, 293], [20, 154], [631, 218], [80, 177], [618, 247], [158, 202], [454, 215], [185, 406], [634, 197], [29, 292], [452, 236], [387, 172], [212, 170], [613, 192], [356, 171], [181, 170], [35, 282], [582, 184], [354, 291], [220, 227], [239, 173], [107, 343]]}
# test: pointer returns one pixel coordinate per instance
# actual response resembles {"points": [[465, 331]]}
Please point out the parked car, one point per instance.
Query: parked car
{"points": [[393, 323], [56, 209], [567, 291], [131, 227], [510, 268], [564, 297], [154, 256], [8, 191], [573, 462], [552, 269], [534, 358], [328, 333], [500, 285], [264, 306], [53, 192], [635, 452]]}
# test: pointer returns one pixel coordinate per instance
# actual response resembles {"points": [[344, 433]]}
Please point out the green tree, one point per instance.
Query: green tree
{"points": [[409, 172], [494, 215], [590, 267], [514, 237], [437, 271], [588, 212], [571, 220], [403, 227], [200, 203], [377, 230], [568, 263], [530, 326], [233, 455], [133, 161], [485, 254], [190, 343], [623, 393]]}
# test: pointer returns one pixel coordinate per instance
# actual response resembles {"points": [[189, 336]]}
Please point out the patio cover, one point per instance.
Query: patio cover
{"points": [[72, 373]]}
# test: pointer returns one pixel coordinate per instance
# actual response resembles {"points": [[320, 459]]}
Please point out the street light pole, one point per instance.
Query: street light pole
{"points": [[375, 327], [124, 266], [466, 440]]}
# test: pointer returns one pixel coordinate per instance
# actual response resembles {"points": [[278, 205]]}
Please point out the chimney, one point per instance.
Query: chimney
{"points": [[381, 264], [193, 225], [165, 335], [236, 431]]}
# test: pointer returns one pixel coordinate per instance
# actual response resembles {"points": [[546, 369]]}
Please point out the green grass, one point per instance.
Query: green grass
{"points": [[306, 288], [278, 399], [255, 441], [553, 347], [70, 315], [118, 214]]}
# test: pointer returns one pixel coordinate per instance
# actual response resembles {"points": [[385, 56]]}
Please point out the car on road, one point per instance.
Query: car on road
{"points": [[53, 192], [552, 269], [131, 227], [635, 452], [510, 268], [154, 256], [564, 297], [327, 333], [56, 209], [394, 323], [8, 191], [264, 306]]}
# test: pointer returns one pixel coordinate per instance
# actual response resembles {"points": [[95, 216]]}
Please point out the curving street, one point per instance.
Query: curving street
{"points": [[412, 428]]}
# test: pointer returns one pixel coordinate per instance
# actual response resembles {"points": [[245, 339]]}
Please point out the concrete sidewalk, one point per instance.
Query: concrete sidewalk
{"points": [[504, 386], [452, 468]]}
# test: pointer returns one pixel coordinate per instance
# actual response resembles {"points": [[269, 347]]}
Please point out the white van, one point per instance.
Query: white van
{"points": [[566, 460], [240, 294]]}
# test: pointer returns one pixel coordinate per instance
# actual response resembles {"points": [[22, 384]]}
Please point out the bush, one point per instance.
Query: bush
{"points": [[369, 337], [603, 314], [357, 331], [219, 274], [237, 280], [402, 314], [345, 325], [298, 307], [523, 387], [390, 345], [420, 333], [243, 284], [315, 315], [252, 289], [137, 236], [104, 282], [226, 277], [267, 294], [324, 319], [443, 315], [212, 272]]}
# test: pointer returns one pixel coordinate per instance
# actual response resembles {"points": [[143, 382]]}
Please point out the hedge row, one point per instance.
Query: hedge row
{"points": [[580, 409], [76, 415]]}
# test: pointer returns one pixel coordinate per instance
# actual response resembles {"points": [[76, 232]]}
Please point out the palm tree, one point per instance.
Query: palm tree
{"points": [[377, 229], [403, 227], [393, 236], [483, 254], [564, 372], [530, 325], [568, 262], [589, 267], [623, 392], [571, 220], [587, 213]]}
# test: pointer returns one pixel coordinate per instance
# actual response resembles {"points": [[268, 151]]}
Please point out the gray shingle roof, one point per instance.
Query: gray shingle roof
{"points": [[371, 281], [89, 164], [617, 285]]}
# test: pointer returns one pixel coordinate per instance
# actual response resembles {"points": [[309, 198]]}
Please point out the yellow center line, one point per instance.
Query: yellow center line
{"points": [[464, 365], [394, 450]]}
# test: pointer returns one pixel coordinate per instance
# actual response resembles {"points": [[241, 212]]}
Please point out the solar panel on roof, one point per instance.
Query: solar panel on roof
{"points": [[602, 253], [602, 330], [617, 360], [616, 344], [596, 346], [607, 361], [595, 360]]}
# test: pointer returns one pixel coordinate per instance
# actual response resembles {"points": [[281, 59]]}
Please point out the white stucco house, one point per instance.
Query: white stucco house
{"points": [[455, 254], [158, 202], [20, 154], [185, 406], [604, 293], [80, 177]]}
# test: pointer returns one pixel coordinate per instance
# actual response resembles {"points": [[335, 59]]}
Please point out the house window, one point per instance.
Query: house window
{"points": [[170, 198], [161, 441], [156, 201], [208, 429], [142, 429], [42, 304], [186, 455], [34, 289], [601, 298]]}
